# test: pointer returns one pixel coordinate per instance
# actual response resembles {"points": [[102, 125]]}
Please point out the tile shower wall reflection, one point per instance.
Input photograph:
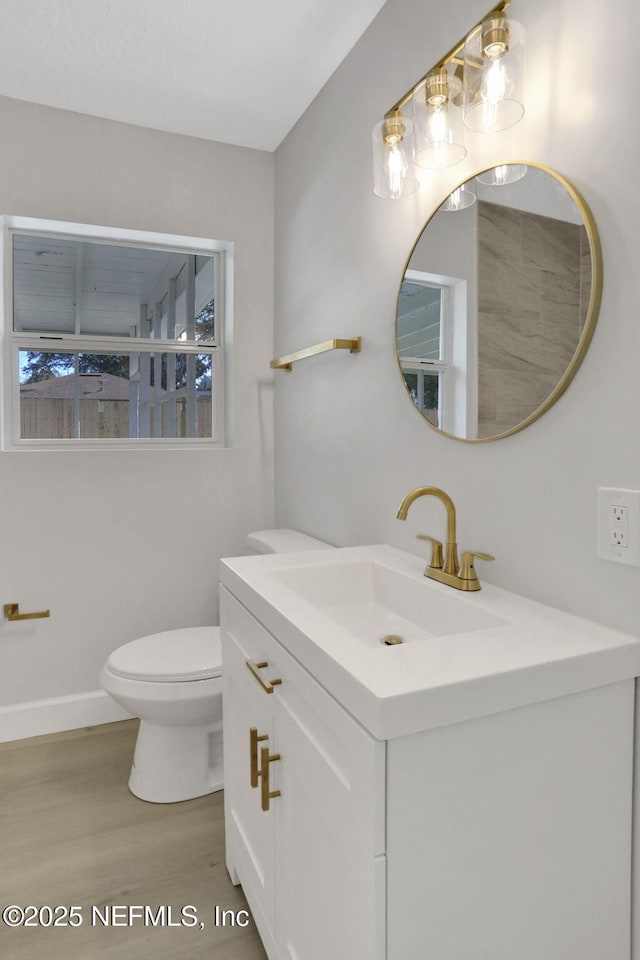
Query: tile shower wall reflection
{"points": [[534, 285]]}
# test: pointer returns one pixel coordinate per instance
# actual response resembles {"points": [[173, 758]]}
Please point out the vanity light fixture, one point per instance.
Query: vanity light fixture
{"points": [[437, 115], [493, 75], [392, 155], [480, 82], [502, 175]]}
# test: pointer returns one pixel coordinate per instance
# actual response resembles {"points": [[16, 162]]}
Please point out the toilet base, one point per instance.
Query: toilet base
{"points": [[176, 763]]}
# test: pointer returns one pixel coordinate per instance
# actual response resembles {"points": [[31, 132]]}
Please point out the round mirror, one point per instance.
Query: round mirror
{"points": [[498, 302]]}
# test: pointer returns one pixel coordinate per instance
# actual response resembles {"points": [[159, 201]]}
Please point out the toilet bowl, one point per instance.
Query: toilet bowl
{"points": [[172, 681]]}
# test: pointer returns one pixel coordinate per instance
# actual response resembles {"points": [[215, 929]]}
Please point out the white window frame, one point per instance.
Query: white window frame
{"points": [[457, 370], [11, 342]]}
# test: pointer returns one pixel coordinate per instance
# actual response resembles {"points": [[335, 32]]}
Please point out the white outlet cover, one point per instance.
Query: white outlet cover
{"points": [[609, 497]]}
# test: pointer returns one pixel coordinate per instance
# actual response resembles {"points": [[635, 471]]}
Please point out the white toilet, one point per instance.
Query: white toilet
{"points": [[173, 682]]}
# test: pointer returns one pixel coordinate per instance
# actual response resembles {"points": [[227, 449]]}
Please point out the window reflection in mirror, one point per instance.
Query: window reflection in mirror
{"points": [[420, 344]]}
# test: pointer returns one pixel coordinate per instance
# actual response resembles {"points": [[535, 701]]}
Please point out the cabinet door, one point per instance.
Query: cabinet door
{"points": [[330, 899], [249, 829], [312, 865]]}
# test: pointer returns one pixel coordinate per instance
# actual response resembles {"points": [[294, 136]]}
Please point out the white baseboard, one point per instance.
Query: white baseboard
{"points": [[21, 720]]}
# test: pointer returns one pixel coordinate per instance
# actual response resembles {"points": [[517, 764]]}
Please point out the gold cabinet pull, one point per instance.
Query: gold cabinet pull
{"points": [[267, 793], [254, 740], [12, 612], [255, 668]]}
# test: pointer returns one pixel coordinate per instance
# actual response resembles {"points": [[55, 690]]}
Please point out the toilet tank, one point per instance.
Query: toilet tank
{"points": [[283, 541]]}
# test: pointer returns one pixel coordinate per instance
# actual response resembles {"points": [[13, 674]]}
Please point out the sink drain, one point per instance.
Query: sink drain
{"points": [[391, 639]]}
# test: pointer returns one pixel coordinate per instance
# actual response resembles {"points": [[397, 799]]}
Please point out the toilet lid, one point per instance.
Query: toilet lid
{"points": [[192, 653]]}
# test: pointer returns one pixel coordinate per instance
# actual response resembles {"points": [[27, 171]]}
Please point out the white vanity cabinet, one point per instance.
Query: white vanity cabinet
{"points": [[312, 865], [466, 798]]}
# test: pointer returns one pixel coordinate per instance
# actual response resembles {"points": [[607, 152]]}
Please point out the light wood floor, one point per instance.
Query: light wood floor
{"points": [[72, 834]]}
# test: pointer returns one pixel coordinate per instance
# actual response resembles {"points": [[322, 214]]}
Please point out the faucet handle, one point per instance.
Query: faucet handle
{"points": [[437, 560], [467, 570]]}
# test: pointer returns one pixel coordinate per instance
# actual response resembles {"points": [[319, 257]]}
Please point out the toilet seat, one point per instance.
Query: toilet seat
{"points": [[191, 653]]}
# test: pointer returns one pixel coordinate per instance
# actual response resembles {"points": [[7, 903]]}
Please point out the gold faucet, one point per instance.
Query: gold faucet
{"points": [[463, 576]]}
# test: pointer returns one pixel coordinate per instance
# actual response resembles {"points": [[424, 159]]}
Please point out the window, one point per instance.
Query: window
{"points": [[112, 339], [423, 345], [435, 338]]}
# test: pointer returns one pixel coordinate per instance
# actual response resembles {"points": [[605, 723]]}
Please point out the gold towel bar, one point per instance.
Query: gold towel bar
{"points": [[12, 612], [284, 363]]}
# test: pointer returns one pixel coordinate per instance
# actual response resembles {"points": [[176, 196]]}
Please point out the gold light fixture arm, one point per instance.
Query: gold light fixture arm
{"points": [[12, 612], [450, 57], [285, 363]]}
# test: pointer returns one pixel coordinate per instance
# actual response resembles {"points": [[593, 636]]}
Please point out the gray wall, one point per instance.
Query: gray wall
{"points": [[349, 442], [123, 544]]}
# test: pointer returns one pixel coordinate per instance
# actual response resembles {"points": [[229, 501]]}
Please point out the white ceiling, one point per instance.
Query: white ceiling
{"points": [[239, 71]]}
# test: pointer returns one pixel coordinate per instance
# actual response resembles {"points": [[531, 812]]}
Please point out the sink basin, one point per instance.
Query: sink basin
{"points": [[372, 601], [462, 656]]}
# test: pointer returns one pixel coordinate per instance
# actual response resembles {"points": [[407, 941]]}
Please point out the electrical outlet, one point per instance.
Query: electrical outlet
{"points": [[619, 525]]}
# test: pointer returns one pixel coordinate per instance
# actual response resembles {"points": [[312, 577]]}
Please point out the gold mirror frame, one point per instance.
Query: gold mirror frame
{"points": [[595, 297]]}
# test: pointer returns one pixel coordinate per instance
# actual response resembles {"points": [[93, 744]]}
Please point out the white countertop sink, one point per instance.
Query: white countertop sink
{"points": [[370, 601], [463, 655]]}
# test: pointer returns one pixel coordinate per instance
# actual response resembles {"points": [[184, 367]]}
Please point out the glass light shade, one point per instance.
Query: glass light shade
{"points": [[459, 199], [493, 76], [502, 175], [393, 158], [437, 116]]}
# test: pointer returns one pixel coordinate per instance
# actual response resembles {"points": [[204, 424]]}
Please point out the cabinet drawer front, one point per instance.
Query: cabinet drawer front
{"points": [[354, 761]]}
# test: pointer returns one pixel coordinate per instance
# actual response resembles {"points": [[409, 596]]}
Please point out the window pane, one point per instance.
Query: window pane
{"points": [[425, 391], [418, 325], [66, 395], [108, 289], [205, 322]]}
